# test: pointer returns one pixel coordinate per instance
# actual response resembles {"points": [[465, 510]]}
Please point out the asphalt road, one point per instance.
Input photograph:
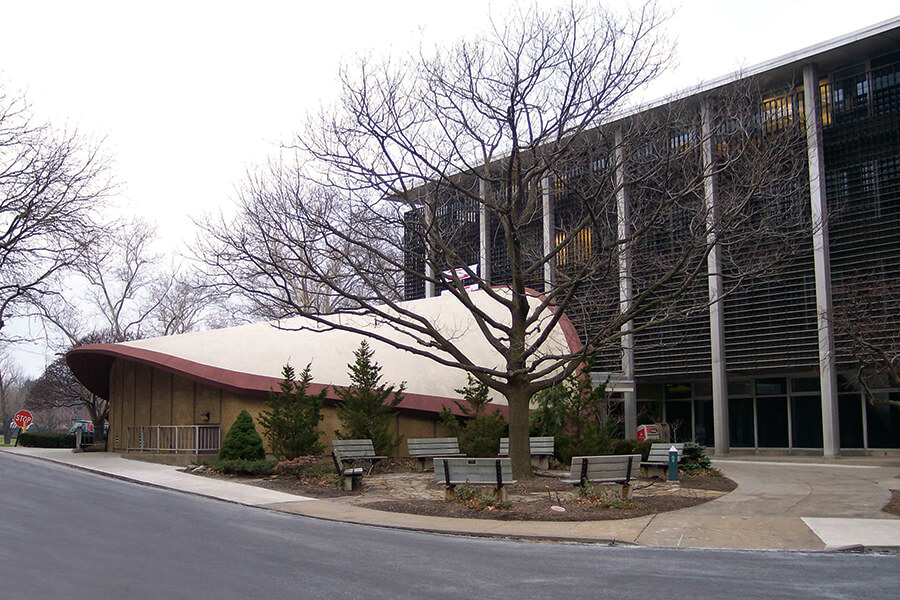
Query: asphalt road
{"points": [[67, 533]]}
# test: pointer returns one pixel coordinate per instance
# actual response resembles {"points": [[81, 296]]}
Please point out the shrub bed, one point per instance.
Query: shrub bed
{"points": [[253, 468], [632, 447]]}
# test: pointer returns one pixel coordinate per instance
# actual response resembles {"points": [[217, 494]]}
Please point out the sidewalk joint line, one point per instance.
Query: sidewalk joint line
{"points": [[641, 532]]}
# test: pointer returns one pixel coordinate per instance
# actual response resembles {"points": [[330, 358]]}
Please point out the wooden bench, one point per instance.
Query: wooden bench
{"points": [[657, 462], [612, 468], [424, 449], [350, 456], [496, 472], [541, 450]]}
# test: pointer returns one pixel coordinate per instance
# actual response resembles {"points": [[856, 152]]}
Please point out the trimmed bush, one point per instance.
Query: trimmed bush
{"points": [[47, 440], [242, 442]]}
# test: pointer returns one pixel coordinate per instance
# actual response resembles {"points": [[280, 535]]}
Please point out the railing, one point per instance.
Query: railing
{"points": [[186, 439]]}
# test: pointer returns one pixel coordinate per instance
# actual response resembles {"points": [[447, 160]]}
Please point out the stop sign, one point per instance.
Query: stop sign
{"points": [[22, 419]]}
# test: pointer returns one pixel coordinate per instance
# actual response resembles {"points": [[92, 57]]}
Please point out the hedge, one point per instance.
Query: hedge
{"points": [[47, 440]]}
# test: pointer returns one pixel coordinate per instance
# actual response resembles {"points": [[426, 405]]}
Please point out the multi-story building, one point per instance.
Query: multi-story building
{"points": [[763, 367]]}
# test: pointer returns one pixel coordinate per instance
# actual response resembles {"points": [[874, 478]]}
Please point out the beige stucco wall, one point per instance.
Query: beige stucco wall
{"points": [[143, 395]]}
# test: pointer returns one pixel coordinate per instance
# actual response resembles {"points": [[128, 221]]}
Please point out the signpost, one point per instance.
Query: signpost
{"points": [[22, 419]]}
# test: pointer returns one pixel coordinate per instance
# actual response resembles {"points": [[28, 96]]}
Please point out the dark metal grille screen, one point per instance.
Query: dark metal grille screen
{"points": [[862, 171]]}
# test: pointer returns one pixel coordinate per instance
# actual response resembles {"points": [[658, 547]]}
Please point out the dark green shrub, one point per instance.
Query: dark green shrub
{"points": [[632, 447], [47, 440], [242, 442], [694, 460], [368, 407], [479, 431], [251, 468], [291, 423], [577, 415]]}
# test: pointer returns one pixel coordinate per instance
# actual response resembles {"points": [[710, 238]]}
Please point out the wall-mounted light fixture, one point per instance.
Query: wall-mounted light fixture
{"points": [[205, 416]]}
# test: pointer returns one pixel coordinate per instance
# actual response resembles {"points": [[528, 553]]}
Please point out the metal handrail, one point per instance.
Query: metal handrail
{"points": [[188, 439]]}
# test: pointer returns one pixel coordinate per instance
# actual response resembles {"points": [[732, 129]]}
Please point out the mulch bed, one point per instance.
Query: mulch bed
{"points": [[651, 496], [576, 510]]}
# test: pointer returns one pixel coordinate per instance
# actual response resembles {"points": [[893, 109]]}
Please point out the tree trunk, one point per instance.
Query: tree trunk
{"points": [[519, 429]]}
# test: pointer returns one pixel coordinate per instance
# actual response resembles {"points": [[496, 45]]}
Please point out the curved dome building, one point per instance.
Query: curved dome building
{"points": [[179, 394]]}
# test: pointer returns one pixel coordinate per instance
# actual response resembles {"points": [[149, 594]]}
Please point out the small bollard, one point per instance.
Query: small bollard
{"points": [[673, 464]]}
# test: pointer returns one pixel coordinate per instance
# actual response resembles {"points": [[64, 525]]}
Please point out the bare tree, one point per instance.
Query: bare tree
{"points": [[867, 306], [51, 185], [419, 150], [183, 302], [12, 395], [260, 257], [120, 270], [58, 388], [127, 291]]}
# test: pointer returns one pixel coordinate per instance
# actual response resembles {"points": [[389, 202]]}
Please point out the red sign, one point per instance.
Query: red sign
{"points": [[22, 419], [647, 432]]}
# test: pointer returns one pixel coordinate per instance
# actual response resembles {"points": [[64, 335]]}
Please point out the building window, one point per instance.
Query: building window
{"points": [[778, 112], [578, 251]]}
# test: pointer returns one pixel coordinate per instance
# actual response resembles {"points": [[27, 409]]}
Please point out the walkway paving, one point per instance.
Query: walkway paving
{"points": [[779, 505]]}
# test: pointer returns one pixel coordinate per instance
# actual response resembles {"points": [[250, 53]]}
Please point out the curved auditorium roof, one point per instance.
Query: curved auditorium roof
{"points": [[249, 358]]}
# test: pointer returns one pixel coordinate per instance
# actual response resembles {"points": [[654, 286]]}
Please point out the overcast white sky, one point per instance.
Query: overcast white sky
{"points": [[186, 94]]}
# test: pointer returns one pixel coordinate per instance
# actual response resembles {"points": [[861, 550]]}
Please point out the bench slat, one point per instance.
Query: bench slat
{"points": [[604, 468], [659, 453], [433, 447], [538, 446], [477, 471], [355, 449]]}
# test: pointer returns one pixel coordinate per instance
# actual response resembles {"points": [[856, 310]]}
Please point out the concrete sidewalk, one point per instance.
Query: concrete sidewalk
{"points": [[778, 505]]}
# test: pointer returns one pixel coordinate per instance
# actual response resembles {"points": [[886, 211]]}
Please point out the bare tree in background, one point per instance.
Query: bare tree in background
{"points": [[126, 288], [57, 388], [122, 288], [51, 185], [120, 270], [259, 259], [865, 325], [183, 303], [418, 150], [12, 396]]}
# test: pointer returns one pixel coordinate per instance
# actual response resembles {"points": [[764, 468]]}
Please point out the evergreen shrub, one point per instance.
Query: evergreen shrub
{"points": [[368, 406], [242, 442], [291, 421], [695, 461], [577, 415]]}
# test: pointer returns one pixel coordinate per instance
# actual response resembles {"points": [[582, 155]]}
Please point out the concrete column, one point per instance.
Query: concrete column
{"points": [[623, 221], [484, 234], [549, 226], [831, 440], [429, 268], [714, 270]]}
